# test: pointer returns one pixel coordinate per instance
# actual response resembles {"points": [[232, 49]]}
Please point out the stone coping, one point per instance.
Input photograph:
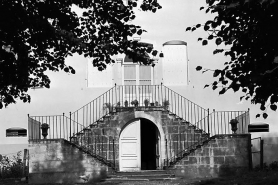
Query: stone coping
{"points": [[220, 136], [34, 141]]}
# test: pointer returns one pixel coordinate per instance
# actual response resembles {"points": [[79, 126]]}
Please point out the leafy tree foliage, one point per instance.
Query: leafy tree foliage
{"points": [[37, 35], [249, 29]]}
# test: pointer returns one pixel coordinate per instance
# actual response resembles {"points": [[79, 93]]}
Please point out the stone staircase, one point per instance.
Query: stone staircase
{"points": [[185, 141], [182, 137], [144, 175], [187, 131]]}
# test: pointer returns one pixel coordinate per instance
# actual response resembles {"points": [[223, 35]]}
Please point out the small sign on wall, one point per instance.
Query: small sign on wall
{"points": [[258, 127], [16, 132]]}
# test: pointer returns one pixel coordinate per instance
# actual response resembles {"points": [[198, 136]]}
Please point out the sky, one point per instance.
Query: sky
{"points": [[69, 92]]}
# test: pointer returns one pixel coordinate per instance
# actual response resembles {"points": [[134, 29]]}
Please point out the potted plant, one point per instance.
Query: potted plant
{"points": [[126, 103], [44, 128], [118, 104], [107, 108], [166, 104], [135, 103], [118, 107], [146, 102], [234, 123], [156, 103]]}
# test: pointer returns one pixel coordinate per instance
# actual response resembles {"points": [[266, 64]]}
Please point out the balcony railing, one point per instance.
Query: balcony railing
{"points": [[138, 96], [60, 127]]}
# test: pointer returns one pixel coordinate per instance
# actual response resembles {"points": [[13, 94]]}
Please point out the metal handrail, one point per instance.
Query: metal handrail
{"points": [[62, 127], [218, 123]]}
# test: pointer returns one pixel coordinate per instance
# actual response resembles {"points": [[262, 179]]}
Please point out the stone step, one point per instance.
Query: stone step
{"points": [[144, 175], [143, 172], [117, 180]]}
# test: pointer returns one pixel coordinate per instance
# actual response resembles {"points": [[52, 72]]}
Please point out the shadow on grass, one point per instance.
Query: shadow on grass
{"points": [[249, 178]]}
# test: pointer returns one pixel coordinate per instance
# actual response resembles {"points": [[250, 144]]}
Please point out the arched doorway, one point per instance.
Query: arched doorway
{"points": [[139, 146]]}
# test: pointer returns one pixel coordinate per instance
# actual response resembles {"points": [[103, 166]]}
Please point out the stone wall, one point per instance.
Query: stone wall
{"points": [[56, 161], [222, 156], [110, 129], [176, 134]]}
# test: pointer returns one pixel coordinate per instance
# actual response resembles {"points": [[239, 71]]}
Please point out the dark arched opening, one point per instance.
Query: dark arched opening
{"points": [[149, 145]]}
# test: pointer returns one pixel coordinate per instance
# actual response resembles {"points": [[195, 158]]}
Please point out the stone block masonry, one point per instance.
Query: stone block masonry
{"points": [[56, 161], [222, 156], [176, 134]]}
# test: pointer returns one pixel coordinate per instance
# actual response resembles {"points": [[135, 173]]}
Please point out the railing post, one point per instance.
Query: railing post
{"points": [[114, 160], [24, 169], [208, 123], [247, 118], [250, 152], [70, 127], [166, 152], [262, 154], [30, 131], [214, 122]]}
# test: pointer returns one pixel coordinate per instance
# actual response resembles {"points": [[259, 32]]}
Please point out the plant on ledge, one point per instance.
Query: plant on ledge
{"points": [[44, 128], [135, 103], [166, 104], [126, 103], [107, 108], [146, 102], [118, 107], [156, 103], [118, 104]]}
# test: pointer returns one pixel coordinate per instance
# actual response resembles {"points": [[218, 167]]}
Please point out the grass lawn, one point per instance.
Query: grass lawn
{"points": [[250, 178]]}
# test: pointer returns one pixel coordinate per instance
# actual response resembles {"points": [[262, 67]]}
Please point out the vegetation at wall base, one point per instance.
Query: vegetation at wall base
{"points": [[11, 167]]}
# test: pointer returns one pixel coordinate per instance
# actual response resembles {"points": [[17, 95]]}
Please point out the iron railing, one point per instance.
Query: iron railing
{"points": [[100, 146], [121, 97], [62, 127], [196, 134], [220, 122], [199, 124], [96, 109]]}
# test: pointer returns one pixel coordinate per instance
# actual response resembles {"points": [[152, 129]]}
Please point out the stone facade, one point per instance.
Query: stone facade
{"points": [[175, 134], [222, 156], [57, 161]]}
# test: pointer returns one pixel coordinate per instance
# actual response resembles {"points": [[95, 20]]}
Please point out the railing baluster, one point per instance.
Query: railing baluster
{"points": [[208, 123], [60, 127], [64, 126]]}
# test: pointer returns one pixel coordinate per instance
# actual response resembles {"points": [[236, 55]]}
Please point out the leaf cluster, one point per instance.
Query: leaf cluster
{"points": [[37, 36], [11, 166], [249, 28]]}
